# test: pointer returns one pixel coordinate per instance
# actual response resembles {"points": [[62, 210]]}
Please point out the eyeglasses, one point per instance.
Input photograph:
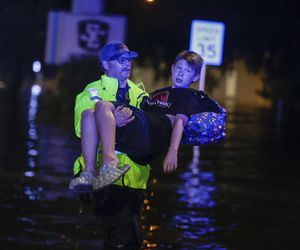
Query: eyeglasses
{"points": [[122, 60]]}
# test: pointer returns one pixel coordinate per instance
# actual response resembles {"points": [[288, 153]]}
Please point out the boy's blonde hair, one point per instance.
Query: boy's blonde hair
{"points": [[194, 60]]}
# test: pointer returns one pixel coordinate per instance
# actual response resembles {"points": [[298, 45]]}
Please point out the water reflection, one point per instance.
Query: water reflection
{"points": [[32, 192], [36, 208], [32, 151], [241, 195], [196, 193], [182, 207], [198, 187]]}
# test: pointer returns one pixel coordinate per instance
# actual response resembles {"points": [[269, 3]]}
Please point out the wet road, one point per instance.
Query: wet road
{"points": [[240, 194]]}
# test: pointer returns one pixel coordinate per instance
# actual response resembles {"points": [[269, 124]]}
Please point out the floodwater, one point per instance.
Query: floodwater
{"points": [[240, 194]]}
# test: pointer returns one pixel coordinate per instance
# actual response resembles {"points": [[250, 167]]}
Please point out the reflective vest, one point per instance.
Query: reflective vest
{"points": [[105, 89]]}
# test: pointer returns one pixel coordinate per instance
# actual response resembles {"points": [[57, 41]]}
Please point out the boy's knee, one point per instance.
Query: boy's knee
{"points": [[87, 114], [101, 106]]}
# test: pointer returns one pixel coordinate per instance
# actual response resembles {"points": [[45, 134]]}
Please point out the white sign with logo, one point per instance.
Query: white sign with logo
{"points": [[72, 34], [207, 39]]}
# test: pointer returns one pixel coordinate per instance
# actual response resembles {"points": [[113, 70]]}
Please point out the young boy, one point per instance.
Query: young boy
{"points": [[155, 129]]}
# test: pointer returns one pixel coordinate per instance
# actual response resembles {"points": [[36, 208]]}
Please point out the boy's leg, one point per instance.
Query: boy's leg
{"points": [[89, 141], [106, 127], [89, 146], [133, 139]]}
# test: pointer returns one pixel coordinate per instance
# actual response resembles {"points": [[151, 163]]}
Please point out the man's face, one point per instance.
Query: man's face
{"points": [[119, 68], [182, 74]]}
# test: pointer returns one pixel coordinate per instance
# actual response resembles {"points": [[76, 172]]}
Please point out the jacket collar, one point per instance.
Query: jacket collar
{"points": [[112, 83]]}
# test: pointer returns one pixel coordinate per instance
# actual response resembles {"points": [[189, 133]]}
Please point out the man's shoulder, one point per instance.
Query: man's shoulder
{"points": [[88, 91], [94, 84]]}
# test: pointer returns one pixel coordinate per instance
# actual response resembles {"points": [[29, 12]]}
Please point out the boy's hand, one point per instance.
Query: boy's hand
{"points": [[123, 116], [170, 162]]}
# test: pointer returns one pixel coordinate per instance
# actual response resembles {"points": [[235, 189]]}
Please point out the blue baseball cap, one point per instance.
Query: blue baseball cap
{"points": [[113, 50]]}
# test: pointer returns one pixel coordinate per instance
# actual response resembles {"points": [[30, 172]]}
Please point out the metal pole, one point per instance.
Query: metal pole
{"points": [[196, 149], [202, 77]]}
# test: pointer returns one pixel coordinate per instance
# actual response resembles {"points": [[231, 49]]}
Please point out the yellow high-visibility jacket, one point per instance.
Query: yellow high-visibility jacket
{"points": [[106, 89]]}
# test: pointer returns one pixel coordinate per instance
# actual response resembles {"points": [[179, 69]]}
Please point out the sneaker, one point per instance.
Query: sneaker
{"points": [[82, 183], [108, 174]]}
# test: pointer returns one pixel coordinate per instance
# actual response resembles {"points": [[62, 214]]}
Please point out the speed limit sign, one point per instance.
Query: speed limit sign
{"points": [[207, 39]]}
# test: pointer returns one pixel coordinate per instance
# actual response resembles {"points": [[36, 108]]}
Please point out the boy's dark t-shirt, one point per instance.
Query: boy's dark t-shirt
{"points": [[180, 101], [148, 136], [172, 101]]}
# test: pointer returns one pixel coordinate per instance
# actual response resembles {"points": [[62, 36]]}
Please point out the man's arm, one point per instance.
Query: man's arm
{"points": [[170, 161]]}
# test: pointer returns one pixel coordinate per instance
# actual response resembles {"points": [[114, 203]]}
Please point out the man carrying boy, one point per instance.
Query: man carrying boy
{"points": [[160, 126], [119, 205]]}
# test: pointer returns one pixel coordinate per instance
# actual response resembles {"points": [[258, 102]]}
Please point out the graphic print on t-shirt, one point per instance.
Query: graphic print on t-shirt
{"points": [[160, 99]]}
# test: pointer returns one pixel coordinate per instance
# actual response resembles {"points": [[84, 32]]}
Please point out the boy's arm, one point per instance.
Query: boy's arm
{"points": [[170, 161]]}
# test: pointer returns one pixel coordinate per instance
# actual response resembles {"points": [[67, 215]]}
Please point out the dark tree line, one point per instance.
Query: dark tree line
{"points": [[263, 33], [23, 35]]}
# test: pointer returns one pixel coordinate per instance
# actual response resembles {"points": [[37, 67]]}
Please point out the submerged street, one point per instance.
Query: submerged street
{"points": [[239, 194]]}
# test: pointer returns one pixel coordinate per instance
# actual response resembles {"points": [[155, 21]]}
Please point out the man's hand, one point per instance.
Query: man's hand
{"points": [[123, 116]]}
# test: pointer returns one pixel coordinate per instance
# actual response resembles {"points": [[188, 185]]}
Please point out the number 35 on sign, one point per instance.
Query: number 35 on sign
{"points": [[207, 40]]}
